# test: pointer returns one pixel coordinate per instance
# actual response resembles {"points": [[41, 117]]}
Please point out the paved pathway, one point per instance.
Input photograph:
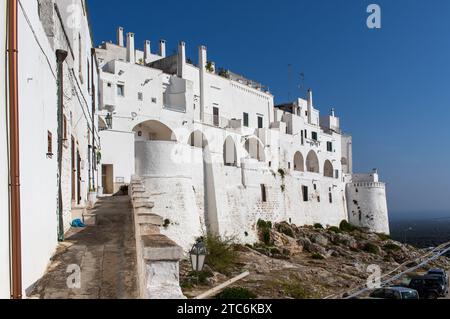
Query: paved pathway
{"points": [[105, 253]]}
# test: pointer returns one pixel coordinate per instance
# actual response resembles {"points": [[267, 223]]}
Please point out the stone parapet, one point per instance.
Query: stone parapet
{"points": [[158, 257]]}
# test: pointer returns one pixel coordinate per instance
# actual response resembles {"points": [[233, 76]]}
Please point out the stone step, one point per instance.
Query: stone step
{"points": [[160, 248], [148, 229], [150, 219], [143, 204]]}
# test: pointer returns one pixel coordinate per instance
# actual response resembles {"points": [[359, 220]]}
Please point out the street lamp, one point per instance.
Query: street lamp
{"points": [[109, 119], [198, 255]]}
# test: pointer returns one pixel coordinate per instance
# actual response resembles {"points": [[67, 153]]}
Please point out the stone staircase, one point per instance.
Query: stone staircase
{"points": [[158, 257]]}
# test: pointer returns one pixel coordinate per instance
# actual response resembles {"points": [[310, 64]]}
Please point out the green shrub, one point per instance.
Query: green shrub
{"points": [[285, 229], [317, 256], [384, 237], [371, 248], [263, 224], [282, 172], [264, 228], [345, 226], [295, 289], [318, 226], [221, 254], [236, 293], [392, 247], [335, 229]]}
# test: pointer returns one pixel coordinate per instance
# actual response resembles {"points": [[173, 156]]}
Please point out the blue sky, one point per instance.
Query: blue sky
{"points": [[391, 87]]}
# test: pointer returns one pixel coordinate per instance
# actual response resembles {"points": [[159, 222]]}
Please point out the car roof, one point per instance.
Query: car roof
{"points": [[427, 277], [437, 270], [400, 289]]}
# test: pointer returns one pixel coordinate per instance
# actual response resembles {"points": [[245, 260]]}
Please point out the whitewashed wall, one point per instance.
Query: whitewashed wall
{"points": [[38, 105], [4, 198]]}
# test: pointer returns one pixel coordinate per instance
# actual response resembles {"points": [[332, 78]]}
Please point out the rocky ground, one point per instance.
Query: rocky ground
{"points": [[307, 262]]}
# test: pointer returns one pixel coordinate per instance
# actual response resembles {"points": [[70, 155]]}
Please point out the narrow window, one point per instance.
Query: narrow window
{"points": [[306, 134], [336, 174], [289, 165], [303, 138], [305, 193], [216, 121], [154, 100], [49, 144], [331, 198], [80, 63], [270, 164], [245, 119], [263, 193], [329, 146], [64, 128], [260, 122], [140, 96], [314, 136], [120, 90], [315, 187]]}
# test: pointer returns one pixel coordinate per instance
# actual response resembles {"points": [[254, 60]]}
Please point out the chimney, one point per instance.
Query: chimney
{"points": [[310, 106], [162, 48], [147, 51], [202, 60], [181, 65], [131, 53], [120, 40]]}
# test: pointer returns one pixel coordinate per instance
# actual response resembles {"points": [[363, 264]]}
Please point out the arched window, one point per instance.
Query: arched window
{"points": [[255, 149], [312, 162], [154, 131], [299, 162], [229, 152], [198, 140], [328, 169]]}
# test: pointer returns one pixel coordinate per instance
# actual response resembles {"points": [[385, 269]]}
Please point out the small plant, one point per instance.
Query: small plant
{"points": [[236, 293], [335, 229], [317, 256], [166, 223], [283, 188], [221, 254], [371, 249], [318, 226], [384, 237], [345, 226], [224, 73], [282, 173], [263, 224], [209, 66]]}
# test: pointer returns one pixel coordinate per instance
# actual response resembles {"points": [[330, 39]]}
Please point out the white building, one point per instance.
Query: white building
{"points": [[46, 26], [215, 152]]}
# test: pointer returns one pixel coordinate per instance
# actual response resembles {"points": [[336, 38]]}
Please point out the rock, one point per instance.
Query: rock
{"points": [[319, 240], [345, 240]]}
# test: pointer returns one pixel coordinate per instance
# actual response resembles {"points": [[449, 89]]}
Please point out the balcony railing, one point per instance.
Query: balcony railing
{"points": [[217, 121]]}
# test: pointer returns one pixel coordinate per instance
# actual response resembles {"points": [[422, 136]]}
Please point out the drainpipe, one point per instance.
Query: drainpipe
{"points": [[14, 154], [60, 58], [93, 116]]}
